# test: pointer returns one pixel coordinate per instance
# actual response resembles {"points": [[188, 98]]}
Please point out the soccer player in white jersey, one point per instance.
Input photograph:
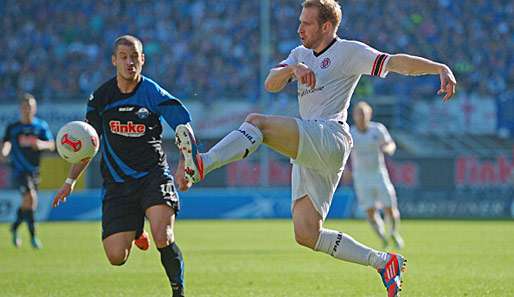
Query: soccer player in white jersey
{"points": [[370, 177], [327, 69]]}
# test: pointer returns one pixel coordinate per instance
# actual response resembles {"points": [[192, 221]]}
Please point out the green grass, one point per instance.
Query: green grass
{"points": [[260, 258]]}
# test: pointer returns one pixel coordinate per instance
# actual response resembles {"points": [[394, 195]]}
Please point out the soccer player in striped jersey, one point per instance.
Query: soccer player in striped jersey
{"points": [[327, 70], [24, 141], [126, 111]]}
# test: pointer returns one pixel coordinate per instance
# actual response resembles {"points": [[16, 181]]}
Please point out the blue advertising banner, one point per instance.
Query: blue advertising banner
{"points": [[247, 203]]}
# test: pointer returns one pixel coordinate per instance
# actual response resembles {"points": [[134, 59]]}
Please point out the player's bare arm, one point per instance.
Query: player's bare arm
{"points": [[66, 189], [44, 145], [413, 65], [279, 77], [5, 150], [389, 148]]}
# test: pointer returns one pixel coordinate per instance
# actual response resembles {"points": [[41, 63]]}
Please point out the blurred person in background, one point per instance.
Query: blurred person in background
{"points": [[23, 141], [370, 177]]}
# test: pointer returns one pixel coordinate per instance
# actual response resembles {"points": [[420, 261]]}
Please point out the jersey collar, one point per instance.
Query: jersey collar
{"points": [[325, 49]]}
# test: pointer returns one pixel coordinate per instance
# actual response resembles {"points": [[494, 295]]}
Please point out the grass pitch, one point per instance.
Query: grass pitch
{"points": [[260, 258]]}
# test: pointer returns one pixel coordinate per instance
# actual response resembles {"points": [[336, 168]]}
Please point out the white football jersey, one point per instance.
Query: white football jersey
{"points": [[338, 69], [367, 156]]}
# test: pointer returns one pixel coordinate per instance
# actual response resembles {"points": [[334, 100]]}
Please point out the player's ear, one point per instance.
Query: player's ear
{"points": [[113, 60], [327, 26], [142, 59]]}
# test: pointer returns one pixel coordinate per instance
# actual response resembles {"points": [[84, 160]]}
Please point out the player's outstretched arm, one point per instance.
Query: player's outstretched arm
{"points": [[66, 189], [42, 145], [278, 77], [413, 65]]}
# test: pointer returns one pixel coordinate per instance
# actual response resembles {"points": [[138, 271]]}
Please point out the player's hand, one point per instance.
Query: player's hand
{"points": [[62, 194], [448, 83], [182, 182], [305, 75]]}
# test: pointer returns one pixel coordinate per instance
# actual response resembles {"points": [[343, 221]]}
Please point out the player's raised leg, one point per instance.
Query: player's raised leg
{"points": [[278, 132], [162, 219]]}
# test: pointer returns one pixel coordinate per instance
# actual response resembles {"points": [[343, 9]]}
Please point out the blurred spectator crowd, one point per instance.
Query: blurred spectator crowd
{"points": [[208, 50]]}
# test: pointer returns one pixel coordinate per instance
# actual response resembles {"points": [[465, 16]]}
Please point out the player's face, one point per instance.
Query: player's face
{"points": [[361, 118], [28, 109], [129, 61], [310, 31]]}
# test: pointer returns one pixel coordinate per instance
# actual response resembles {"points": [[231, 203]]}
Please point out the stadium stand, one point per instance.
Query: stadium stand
{"points": [[57, 50]]}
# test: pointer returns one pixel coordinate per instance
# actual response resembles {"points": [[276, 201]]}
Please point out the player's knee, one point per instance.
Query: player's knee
{"points": [[163, 236], [256, 119], [118, 257], [371, 214]]}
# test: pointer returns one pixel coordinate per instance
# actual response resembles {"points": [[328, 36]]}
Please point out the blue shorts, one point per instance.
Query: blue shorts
{"points": [[26, 181]]}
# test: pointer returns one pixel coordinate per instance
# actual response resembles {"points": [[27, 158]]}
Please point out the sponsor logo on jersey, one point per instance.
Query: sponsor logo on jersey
{"points": [[308, 91], [129, 129], [126, 108], [325, 63], [143, 113]]}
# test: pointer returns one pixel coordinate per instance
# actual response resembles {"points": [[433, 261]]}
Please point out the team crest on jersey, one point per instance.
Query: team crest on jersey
{"points": [[142, 113], [325, 63], [128, 130]]}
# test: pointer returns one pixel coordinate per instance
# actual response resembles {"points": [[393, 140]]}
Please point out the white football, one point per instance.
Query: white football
{"points": [[77, 141]]}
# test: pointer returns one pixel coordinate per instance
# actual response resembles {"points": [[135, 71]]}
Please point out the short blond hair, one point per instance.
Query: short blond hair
{"points": [[329, 11], [365, 107]]}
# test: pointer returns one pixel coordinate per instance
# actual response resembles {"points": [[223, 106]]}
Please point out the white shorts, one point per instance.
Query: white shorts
{"points": [[324, 147], [375, 192]]}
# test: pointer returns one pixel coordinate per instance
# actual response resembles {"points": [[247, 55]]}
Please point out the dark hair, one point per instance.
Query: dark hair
{"points": [[128, 40]]}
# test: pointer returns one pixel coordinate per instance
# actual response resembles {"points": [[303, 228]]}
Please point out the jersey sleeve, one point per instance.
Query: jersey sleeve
{"points": [[367, 60], [170, 108], [385, 137], [93, 114], [46, 133], [290, 60]]}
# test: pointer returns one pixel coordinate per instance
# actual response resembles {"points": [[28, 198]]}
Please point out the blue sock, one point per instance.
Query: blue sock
{"points": [[19, 220], [171, 259]]}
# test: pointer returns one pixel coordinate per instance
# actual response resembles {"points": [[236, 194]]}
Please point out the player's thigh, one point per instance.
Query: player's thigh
{"points": [[117, 246], [279, 132], [161, 202], [386, 194], [162, 220], [366, 195], [29, 200]]}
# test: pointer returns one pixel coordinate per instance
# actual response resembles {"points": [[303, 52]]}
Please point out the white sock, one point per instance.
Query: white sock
{"points": [[344, 247], [237, 145]]}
